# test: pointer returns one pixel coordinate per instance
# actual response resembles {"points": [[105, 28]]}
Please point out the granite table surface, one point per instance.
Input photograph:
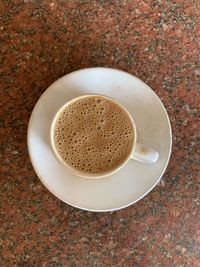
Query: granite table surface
{"points": [[159, 42]]}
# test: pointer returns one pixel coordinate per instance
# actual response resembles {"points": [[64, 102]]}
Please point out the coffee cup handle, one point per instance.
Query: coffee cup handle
{"points": [[144, 154]]}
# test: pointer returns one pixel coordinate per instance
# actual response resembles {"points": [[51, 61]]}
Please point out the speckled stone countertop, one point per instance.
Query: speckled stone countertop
{"points": [[156, 40]]}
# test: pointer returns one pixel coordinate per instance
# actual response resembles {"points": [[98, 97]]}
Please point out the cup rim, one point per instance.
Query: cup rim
{"points": [[79, 173]]}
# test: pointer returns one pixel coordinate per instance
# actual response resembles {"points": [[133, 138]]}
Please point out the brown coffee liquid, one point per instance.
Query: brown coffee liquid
{"points": [[93, 135]]}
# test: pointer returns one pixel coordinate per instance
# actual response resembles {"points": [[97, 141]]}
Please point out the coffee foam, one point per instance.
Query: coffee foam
{"points": [[93, 135]]}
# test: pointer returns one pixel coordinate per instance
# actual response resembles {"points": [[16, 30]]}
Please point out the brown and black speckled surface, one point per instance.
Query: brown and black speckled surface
{"points": [[156, 40]]}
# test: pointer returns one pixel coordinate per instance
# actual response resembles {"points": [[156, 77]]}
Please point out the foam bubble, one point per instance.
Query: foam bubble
{"points": [[98, 101]]}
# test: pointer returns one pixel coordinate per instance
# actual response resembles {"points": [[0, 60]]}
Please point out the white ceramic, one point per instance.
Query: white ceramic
{"points": [[138, 151], [136, 179]]}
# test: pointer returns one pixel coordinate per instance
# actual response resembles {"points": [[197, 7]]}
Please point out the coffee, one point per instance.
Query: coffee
{"points": [[93, 135]]}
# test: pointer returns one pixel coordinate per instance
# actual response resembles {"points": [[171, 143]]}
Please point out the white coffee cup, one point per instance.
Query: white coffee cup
{"points": [[139, 152]]}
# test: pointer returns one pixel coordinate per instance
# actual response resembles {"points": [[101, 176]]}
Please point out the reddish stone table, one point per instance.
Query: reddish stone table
{"points": [[156, 40]]}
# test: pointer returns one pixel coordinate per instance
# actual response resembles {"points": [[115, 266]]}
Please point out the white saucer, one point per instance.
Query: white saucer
{"points": [[136, 179]]}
